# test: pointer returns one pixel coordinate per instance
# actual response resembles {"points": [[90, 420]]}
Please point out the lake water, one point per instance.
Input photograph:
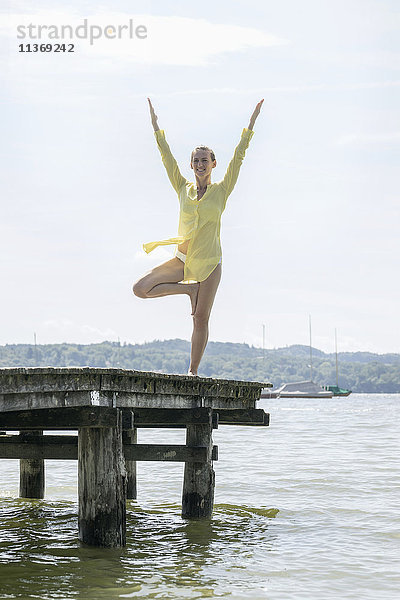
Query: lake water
{"points": [[306, 508]]}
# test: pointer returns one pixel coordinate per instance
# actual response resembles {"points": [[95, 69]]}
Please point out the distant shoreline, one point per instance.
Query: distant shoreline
{"points": [[362, 372]]}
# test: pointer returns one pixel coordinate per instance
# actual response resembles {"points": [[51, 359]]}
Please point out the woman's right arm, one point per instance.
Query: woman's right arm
{"points": [[176, 178]]}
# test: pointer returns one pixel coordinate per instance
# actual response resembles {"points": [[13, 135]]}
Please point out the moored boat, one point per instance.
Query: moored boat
{"points": [[300, 389], [337, 391]]}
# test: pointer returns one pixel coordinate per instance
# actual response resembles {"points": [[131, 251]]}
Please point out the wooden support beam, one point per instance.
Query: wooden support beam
{"points": [[31, 472], [173, 417], [39, 447], [167, 452], [64, 417], [74, 417], [243, 416], [65, 447], [130, 437], [102, 486], [199, 477]]}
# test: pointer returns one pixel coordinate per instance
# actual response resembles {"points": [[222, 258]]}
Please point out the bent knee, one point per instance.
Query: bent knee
{"points": [[201, 319]]}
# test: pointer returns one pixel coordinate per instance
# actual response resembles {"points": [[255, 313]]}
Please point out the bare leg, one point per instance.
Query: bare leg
{"points": [[164, 281], [168, 289], [205, 300]]}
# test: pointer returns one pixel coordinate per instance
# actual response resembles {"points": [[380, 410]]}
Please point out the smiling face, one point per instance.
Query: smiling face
{"points": [[202, 163]]}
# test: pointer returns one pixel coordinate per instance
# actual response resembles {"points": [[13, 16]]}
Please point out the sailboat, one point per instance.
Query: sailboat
{"points": [[335, 389], [304, 389], [300, 389]]}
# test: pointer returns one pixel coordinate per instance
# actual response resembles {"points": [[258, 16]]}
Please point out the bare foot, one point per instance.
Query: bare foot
{"points": [[194, 292]]}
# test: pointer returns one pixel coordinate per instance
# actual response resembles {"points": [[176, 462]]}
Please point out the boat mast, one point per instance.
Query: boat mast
{"points": [[263, 342], [337, 376], [309, 319]]}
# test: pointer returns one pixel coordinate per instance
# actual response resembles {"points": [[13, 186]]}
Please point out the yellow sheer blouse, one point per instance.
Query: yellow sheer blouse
{"points": [[200, 220]]}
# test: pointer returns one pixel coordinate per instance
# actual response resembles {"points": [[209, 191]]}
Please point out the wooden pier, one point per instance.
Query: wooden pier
{"points": [[106, 407]]}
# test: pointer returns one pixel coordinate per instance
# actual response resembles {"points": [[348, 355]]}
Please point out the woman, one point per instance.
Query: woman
{"points": [[196, 268]]}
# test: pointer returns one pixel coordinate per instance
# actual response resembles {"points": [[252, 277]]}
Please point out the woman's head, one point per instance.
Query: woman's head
{"points": [[207, 149], [202, 160]]}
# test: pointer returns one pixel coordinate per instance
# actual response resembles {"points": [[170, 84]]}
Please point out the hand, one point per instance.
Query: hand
{"points": [[153, 116], [255, 114]]}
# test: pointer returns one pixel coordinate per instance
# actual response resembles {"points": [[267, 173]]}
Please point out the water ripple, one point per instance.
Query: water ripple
{"points": [[304, 509]]}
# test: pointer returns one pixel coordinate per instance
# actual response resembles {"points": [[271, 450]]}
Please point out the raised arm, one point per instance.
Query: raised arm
{"points": [[255, 114], [153, 116], [233, 169], [176, 178]]}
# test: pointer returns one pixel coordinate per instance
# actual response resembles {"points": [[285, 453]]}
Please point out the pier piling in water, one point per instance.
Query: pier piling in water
{"points": [[199, 478], [107, 407], [130, 465], [102, 486], [31, 472]]}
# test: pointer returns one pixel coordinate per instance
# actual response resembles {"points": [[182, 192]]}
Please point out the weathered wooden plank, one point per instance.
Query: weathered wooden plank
{"points": [[31, 400], [100, 416], [62, 418], [31, 472], [36, 447], [172, 416], [40, 399], [229, 403], [36, 438], [65, 447], [96, 416], [250, 416], [173, 425], [102, 486], [56, 379], [137, 400], [28, 401], [136, 381], [15, 381], [125, 399], [166, 452]]}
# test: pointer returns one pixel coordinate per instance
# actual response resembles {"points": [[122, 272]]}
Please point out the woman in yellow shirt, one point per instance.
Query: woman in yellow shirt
{"points": [[196, 268]]}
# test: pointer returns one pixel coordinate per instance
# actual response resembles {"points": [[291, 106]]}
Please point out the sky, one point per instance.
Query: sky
{"points": [[312, 226]]}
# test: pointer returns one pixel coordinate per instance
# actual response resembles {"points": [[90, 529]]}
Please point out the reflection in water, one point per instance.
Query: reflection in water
{"points": [[165, 555]]}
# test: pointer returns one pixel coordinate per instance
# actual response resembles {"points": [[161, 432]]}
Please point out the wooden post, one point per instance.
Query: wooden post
{"points": [[102, 486], [31, 473], [199, 478], [131, 486]]}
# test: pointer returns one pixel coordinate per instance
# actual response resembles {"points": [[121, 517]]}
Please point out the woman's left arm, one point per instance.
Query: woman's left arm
{"points": [[255, 114], [232, 172]]}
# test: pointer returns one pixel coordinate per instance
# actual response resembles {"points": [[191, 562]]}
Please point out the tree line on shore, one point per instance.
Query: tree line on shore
{"points": [[362, 372]]}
